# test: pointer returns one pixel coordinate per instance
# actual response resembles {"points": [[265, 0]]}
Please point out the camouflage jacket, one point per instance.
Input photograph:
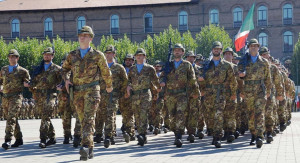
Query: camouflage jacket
{"points": [[143, 80], [277, 87], [258, 71], [13, 82], [222, 75], [87, 69]]}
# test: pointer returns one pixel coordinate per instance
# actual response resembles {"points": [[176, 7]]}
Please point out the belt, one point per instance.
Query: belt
{"points": [[214, 86], [251, 82], [176, 91], [140, 91], [7, 95], [46, 91], [84, 86]]}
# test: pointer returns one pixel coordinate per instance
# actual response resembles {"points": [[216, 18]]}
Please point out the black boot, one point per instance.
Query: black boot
{"points": [[42, 143], [166, 129], [98, 138], [289, 122], [178, 141], [7, 144], [230, 137], [269, 137], [84, 153], [236, 133], [126, 137], [112, 141], [209, 132], [259, 142], [141, 140], [107, 142], [76, 141], [51, 141], [274, 133], [225, 136], [123, 128], [191, 138], [67, 139], [156, 131], [252, 142], [200, 134], [91, 153], [282, 127], [17, 143], [150, 128], [217, 142], [132, 138]]}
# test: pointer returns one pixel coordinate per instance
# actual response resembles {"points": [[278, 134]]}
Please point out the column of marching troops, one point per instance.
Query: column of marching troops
{"points": [[229, 95]]}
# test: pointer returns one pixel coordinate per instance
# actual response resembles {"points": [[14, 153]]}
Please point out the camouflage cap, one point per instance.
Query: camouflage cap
{"points": [[229, 49], [199, 57], [140, 51], [157, 62], [217, 44], [129, 56], [48, 50], [253, 42], [110, 48], [277, 62], [179, 46], [235, 55], [86, 30], [190, 54], [13, 52], [264, 50]]}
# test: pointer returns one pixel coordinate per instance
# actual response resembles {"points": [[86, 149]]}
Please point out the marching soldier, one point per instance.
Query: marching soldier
{"points": [[13, 78]]}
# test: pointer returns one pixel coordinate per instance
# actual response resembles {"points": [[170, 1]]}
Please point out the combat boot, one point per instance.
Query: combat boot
{"points": [[252, 142], [126, 137], [91, 153], [274, 133], [282, 127], [51, 141], [150, 128], [123, 128], [200, 134], [166, 129], [230, 137], [289, 122], [76, 141], [107, 142], [225, 136], [156, 131], [209, 132], [191, 138], [217, 142], [98, 138], [178, 141], [237, 133], [67, 139], [84, 153], [132, 138], [112, 141], [7, 144], [17, 143], [269, 137], [42, 143], [276, 130], [259, 142], [141, 140]]}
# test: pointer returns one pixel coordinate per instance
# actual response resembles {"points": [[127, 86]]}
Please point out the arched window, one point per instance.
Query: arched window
{"points": [[48, 27], [262, 13], [114, 24], [214, 16], [183, 21], [80, 23], [288, 41], [148, 17], [15, 28], [287, 14], [237, 17], [263, 39]]}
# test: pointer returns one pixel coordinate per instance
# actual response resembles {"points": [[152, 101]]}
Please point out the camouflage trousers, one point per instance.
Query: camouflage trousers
{"points": [[177, 107], [289, 109], [192, 115], [201, 121], [282, 111], [269, 114], [244, 113], [165, 116], [141, 104], [11, 107], [86, 103], [238, 113], [230, 115], [275, 113], [1, 112], [214, 112], [157, 112], [256, 103], [127, 115], [45, 106], [151, 114], [106, 115]]}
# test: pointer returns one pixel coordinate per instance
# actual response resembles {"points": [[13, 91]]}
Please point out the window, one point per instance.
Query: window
{"points": [[114, 24], [287, 14], [183, 21], [288, 41], [262, 16], [15, 28], [237, 17], [80, 23], [214, 16], [48, 27], [148, 22], [263, 39]]}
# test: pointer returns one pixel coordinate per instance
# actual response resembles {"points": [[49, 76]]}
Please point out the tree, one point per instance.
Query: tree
{"points": [[296, 63]]}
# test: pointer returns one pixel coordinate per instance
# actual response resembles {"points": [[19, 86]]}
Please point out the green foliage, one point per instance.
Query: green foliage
{"points": [[296, 63]]}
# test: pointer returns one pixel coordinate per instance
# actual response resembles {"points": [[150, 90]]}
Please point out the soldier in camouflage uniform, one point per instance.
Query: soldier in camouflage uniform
{"points": [[13, 78], [46, 77], [181, 85], [140, 80], [255, 72], [30, 109], [110, 101], [1, 108], [86, 65], [282, 115], [192, 115], [219, 77]]}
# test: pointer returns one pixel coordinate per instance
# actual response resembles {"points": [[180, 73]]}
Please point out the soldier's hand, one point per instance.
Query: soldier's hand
{"points": [[242, 74], [67, 83], [287, 95], [242, 95], [126, 95], [195, 96], [108, 90], [162, 84], [200, 78], [26, 84], [268, 95], [280, 98], [1, 90], [128, 90], [202, 93], [158, 90], [59, 87], [233, 98]]}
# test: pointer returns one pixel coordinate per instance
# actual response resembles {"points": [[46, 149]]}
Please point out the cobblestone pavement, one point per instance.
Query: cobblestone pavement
{"points": [[160, 148]]}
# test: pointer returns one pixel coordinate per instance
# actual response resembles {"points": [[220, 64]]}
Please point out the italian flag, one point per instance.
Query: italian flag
{"points": [[247, 26]]}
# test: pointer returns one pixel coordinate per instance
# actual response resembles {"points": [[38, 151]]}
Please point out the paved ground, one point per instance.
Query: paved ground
{"points": [[285, 148]]}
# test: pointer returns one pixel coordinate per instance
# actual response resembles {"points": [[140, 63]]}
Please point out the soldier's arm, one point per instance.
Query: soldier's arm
{"points": [[105, 72], [1, 79], [231, 80], [154, 78], [268, 81], [277, 82], [66, 68], [124, 78], [192, 82]]}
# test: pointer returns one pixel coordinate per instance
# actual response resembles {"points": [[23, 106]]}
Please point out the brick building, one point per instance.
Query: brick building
{"points": [[277, 22]]}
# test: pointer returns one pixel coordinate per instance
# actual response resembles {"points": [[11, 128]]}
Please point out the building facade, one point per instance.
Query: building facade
{"points": [[277, 22]]}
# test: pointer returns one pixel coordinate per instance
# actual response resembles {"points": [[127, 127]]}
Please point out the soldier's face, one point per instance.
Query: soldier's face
{"points": [[85, 39], [216, 52], [191, 59], [129, 62], [235, 61], [48, 57], [158, 67], [178, 53], [266, 56], [228, 56], [253, 49], [140, 58], [13, 60], [110, 56]]}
